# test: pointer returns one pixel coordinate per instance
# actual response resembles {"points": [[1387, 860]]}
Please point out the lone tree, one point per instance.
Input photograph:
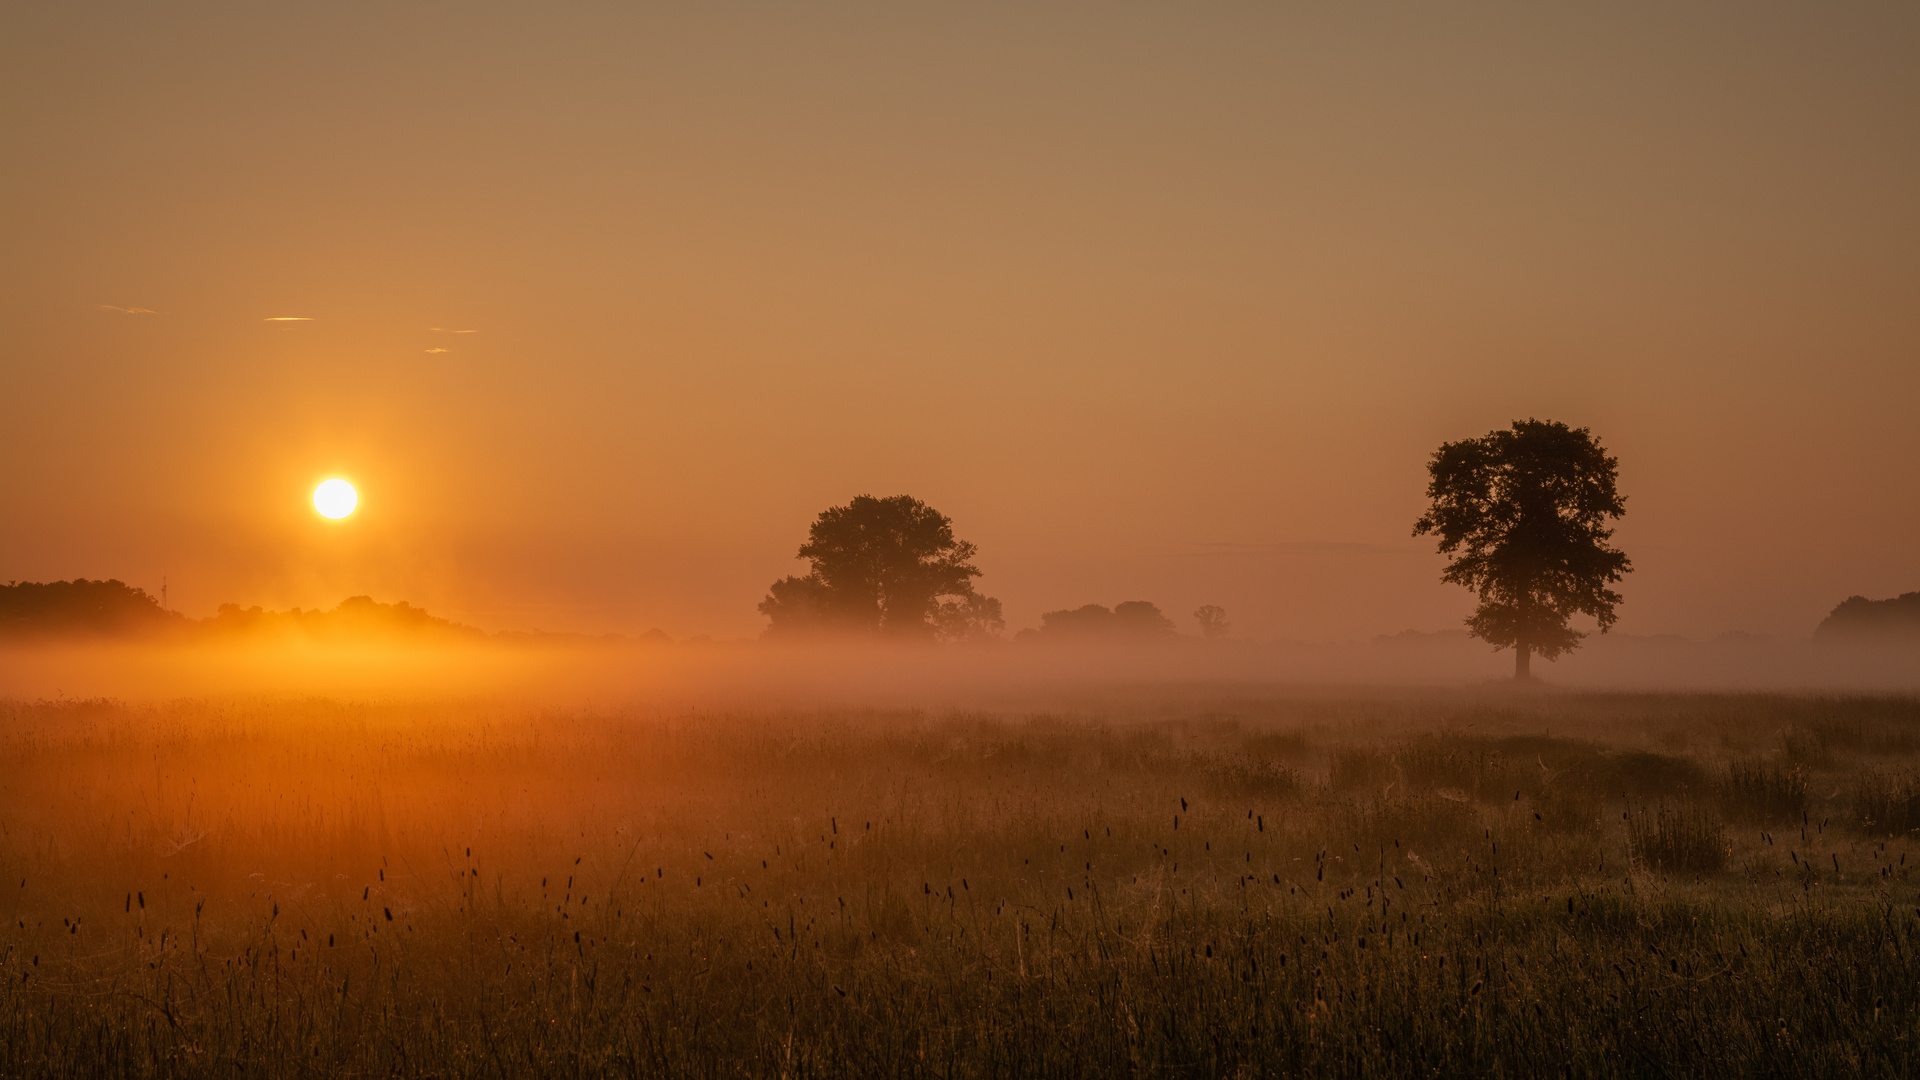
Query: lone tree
{"points": [[883, 566], [1524, 514], [1213, 621]]}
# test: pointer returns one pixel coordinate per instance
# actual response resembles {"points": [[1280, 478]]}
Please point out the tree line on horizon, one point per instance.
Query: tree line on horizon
{"points": [[1523, 513], [112, 608]]}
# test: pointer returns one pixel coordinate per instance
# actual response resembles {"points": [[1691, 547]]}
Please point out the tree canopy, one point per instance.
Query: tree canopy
{"points": [[1134, 619], [1860, 619], [888, 567], [1213, 621], [1524, 512]]}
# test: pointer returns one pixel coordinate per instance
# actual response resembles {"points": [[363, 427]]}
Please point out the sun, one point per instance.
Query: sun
{"points": [[335, 498]]}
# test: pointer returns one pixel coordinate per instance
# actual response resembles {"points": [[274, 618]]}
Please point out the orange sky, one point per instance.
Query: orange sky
{"points": [[1156, 303]]}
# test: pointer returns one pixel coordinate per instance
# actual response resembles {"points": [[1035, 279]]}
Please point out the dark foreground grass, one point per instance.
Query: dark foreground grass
{"points": [[1433, 889]]}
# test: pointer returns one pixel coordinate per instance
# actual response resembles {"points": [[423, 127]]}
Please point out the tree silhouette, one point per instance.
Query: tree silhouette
{"points": [[884, 566], [1129, 619], [970, 618], [1212, 619], [82, 607], [1860, 619], [1523, 512]]}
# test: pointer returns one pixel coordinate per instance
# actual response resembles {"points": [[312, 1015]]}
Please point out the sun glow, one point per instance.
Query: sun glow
{"points": [[335, 498]]}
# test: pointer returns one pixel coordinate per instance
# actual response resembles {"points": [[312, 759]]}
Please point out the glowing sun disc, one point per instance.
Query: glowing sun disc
{"points": [[335, 499]]}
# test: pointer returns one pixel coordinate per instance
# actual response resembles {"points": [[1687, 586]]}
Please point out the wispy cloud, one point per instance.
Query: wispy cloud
{"points": [[1304, 547], [447, 330], [286, 318], [128, 310], [436, 350]]}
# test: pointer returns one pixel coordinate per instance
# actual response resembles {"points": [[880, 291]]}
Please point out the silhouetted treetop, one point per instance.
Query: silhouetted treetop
{"points": [[1524, 514], [1213, 621], [1859, 619], [81, 607], [1131, 619], [357, 617], [883, 566], [29, 608]]}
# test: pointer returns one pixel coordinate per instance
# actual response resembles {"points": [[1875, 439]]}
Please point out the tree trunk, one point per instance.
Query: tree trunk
{"points": [[1521, 658]]}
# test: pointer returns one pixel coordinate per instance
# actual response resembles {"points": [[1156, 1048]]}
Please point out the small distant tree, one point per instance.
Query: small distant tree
{"points": [[1524, 512], [884, 566], [1213, 621]]}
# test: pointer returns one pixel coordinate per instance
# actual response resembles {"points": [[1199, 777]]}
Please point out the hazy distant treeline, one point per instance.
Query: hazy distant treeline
{"points": [[112, 608], [1860, 618], [32, 608]]}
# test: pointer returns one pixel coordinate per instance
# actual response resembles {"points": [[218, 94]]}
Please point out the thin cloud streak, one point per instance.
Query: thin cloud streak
{"points": [[1301, 547], [286, 318], [128, 310]]}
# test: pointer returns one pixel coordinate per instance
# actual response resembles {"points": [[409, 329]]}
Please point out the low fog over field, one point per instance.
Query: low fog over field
{"points": [[759, 673]]}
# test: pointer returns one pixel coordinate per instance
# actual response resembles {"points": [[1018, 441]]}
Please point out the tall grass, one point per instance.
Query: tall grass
{"points": [[313, 889], [1679, 839], [1888, 802], [1765, 790]]}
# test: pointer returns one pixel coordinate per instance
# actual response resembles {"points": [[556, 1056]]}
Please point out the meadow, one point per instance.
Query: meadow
{"points": [[1173, 880]]}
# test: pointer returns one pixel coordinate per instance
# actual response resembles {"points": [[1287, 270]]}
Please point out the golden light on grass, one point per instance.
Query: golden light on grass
{"points": [[335, 498]]}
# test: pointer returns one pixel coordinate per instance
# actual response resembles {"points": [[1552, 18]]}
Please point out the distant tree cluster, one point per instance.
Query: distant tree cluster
{"points": [[892, 568], [112, 607], [82, 608], [356, 617], [1133, 619], [1860, 619]]}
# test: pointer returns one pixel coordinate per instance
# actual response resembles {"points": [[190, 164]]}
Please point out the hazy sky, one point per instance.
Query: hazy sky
{"points": [[1167, 302]]}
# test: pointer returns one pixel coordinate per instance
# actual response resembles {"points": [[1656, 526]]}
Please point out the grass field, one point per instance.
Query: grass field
{"points": [[1200, 882]]}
